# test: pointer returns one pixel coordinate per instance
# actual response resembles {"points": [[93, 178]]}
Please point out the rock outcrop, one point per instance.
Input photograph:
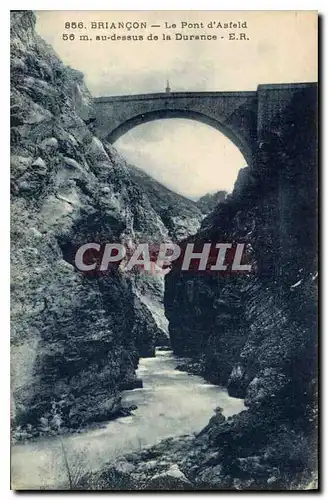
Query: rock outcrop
{"points": [[208, 201], [181, 216], [76, 339]]}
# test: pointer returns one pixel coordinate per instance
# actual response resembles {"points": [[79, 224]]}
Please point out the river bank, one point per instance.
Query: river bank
{"points": [[171, 403]]}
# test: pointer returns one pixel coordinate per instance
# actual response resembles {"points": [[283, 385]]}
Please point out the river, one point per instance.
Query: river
{"points": [[170, 403]]}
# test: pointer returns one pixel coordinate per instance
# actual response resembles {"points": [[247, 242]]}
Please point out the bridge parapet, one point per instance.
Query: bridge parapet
{"points": [[174, 95]]}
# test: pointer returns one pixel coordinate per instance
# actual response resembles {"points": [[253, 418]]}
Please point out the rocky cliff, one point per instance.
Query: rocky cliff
{"points": [[256, 332], [76, 339], [181, 216], [208, 202]]}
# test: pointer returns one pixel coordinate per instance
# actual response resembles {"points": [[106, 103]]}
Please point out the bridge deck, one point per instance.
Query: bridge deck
{"points": [[170, 95], [234, 93]]}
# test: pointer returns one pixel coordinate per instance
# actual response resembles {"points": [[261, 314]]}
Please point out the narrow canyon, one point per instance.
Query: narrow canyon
{"points": [[128, 381]]}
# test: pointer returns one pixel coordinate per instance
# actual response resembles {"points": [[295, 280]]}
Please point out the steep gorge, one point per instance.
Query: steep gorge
{"points": [[76, 339], [255, 332]]}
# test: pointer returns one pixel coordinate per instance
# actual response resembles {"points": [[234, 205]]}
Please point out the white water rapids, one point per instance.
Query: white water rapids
{"points": [[170, 403]]}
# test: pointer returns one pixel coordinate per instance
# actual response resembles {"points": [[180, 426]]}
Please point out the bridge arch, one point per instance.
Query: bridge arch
{"points": [[167, 113]]}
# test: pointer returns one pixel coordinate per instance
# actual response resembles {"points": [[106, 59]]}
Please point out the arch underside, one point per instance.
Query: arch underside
{"points": [[139, 119]]}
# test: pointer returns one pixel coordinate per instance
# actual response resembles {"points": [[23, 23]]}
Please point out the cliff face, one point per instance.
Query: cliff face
{"points": [[208, 202], [272, 211], [76, 339], [256, 332], [181, 216]]}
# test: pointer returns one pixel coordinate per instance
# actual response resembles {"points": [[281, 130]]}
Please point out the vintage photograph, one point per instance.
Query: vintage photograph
{"points": [[164, 239]]}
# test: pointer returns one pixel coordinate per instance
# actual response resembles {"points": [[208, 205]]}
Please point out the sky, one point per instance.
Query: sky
{"points": [[189, 157], [183, 166]]}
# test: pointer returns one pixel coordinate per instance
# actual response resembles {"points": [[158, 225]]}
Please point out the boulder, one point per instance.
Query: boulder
{"points": [[171, 479]]}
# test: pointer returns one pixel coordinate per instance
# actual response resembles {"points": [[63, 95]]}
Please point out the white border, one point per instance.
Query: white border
{"points": [[320, 5], [167, 5]]}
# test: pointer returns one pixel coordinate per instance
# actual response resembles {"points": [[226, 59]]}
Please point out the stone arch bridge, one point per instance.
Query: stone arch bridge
{"points": [[240, 116]]}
